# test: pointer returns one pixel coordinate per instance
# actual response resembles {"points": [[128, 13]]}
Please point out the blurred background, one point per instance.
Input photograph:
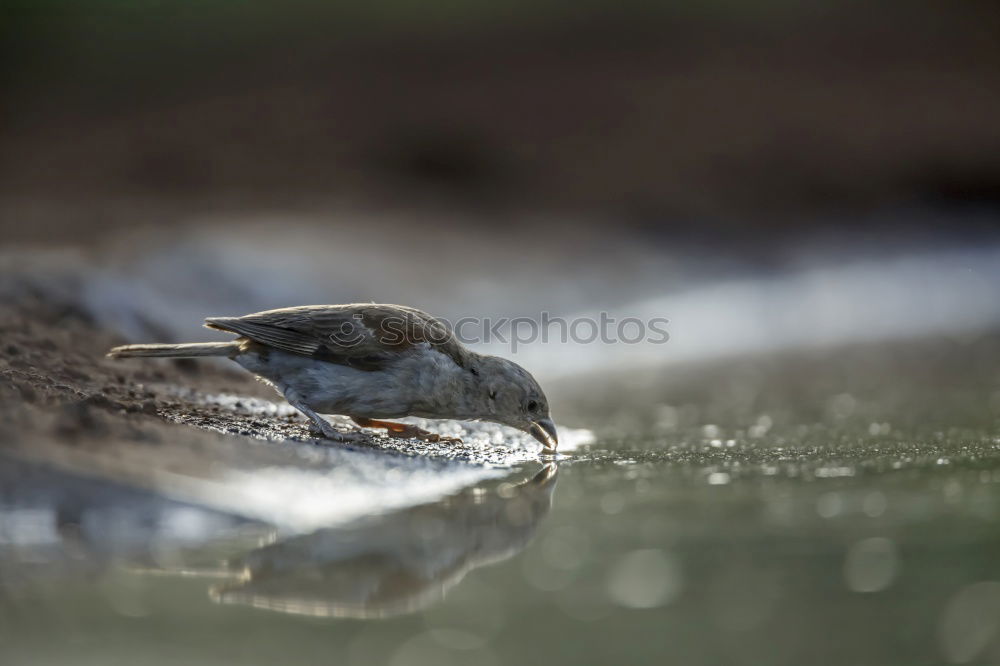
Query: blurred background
{"points": [[808, 191], [748, 117], [788, 170]]}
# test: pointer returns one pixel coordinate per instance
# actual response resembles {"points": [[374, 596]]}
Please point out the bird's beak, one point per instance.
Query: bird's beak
{"points": [[544, 430]]}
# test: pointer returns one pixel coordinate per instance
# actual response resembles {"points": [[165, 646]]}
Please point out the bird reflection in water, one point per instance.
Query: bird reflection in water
{"points": [[388, 565]]}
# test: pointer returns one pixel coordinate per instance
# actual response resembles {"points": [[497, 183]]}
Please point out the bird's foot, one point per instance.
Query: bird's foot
{"points": [[321, 427], [406, 431], [327, 431]]}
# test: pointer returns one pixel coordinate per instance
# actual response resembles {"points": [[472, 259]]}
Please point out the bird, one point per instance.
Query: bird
{"points": [[372, 362], [380, 567]]}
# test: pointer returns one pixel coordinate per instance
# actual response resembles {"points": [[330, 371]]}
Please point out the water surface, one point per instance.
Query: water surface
{"points": [[700, 547]]}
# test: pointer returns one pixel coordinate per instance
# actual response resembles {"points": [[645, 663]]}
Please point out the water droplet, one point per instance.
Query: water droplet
{"points": [[718, 479], [644, 579], [841, 406], [871, 565], [833, 472], [970, 621]]}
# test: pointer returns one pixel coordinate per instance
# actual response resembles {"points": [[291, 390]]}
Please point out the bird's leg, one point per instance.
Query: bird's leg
{"points": [[405, 430], [325, 427]]}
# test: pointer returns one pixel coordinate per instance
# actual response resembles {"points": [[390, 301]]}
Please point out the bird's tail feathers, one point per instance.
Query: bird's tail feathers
{"points": [[177, 351]]}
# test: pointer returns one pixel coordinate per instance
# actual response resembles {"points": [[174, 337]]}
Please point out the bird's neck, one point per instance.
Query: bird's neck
{"points": [[445, 389]]}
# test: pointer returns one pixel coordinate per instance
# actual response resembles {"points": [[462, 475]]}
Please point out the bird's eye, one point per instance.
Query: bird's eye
{"points": [[532, 405]]}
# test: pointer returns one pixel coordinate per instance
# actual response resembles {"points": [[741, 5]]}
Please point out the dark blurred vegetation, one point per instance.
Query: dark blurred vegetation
{"points": [[742, 116]]}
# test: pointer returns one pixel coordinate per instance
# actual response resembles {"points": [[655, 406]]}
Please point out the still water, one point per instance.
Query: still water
{"points": [[702, 546], [838, 507]]}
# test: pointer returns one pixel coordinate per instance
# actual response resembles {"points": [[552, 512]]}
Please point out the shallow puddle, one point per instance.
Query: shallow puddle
{"points": [[762, 553]]}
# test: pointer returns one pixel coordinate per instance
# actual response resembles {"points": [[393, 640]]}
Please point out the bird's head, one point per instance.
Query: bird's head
{"points": [[504, 392]]}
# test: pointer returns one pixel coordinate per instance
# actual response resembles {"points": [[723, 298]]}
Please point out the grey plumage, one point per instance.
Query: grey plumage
{"points": [[369, 362]]}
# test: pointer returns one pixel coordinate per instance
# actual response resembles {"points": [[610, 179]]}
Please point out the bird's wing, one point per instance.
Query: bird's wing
{"points": [[362, 335]]}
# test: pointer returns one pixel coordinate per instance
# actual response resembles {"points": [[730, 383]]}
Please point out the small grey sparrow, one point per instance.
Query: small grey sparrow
{"points": [[372, 362]]}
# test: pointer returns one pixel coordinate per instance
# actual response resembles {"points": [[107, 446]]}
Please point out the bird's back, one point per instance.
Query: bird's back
{"points": [[362, 335]]}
